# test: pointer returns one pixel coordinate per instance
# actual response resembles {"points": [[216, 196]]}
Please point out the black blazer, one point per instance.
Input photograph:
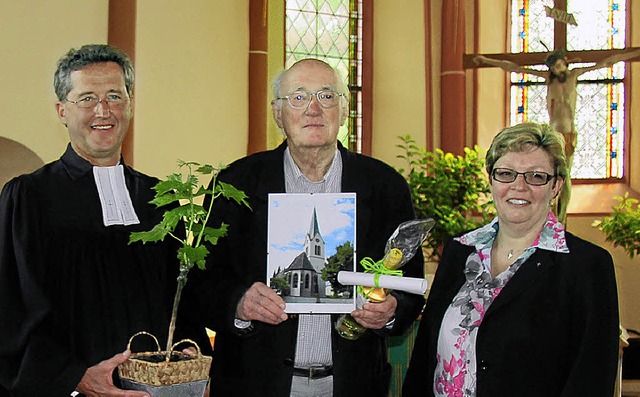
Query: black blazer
{"points": [[552, 331], [259, 362]]}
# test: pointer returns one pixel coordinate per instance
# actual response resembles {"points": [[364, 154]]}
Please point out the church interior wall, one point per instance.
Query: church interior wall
{"points": [[191, 90]]}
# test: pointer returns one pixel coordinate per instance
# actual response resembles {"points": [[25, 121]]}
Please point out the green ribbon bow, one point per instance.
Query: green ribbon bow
{"points": [[378, 269]]}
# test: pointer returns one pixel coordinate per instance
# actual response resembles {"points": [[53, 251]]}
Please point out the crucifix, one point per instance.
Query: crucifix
{"points": [[561, 81]]}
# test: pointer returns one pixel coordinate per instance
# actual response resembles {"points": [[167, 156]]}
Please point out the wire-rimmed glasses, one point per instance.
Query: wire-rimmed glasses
{"points": [[114, 101], [301, 99]]}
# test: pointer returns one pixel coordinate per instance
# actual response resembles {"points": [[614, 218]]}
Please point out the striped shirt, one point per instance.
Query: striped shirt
{"points": [[313, 346]]}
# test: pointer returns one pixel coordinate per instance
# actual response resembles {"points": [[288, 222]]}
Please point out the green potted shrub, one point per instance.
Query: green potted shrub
{"points": [[622, 227], [452, 189], [172, 373]]}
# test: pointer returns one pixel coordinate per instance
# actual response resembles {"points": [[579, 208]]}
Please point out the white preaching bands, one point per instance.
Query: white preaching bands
{"points": [[117, 208]]}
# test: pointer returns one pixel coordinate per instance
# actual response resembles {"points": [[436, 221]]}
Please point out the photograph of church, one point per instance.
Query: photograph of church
{"points": [[299, 247], [304, 274]]}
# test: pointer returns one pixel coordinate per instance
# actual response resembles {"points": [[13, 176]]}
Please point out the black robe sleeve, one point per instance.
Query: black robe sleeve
{"points": [[73, 291], [30, 361]]}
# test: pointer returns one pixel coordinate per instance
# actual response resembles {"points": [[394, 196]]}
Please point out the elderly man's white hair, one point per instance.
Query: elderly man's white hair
{"points": [[341, 86]]}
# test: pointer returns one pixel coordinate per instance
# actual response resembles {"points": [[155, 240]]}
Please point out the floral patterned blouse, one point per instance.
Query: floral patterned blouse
{"points": [[455, 374]]}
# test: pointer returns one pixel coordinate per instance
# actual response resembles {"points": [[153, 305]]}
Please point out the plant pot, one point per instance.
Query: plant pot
{"points": [[187, 389], [181, 376]]}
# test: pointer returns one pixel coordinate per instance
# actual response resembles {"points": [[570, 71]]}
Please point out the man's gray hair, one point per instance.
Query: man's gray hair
{"points": [[76, 59]]}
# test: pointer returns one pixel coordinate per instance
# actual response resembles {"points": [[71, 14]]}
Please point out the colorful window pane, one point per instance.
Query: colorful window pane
{"points": [[599, 119], [330, 30]]}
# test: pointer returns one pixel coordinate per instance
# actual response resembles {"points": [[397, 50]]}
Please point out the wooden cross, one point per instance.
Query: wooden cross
{"points": [[538, 58], [559, 41]]}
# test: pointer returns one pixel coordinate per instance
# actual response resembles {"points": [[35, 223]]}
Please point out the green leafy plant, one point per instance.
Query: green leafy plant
{"points": [[181, 193], [450, 188], [622, 227]]}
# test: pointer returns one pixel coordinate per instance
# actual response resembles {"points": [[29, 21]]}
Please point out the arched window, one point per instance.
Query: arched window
{"points": [[306, 281], [331, 30], [599, 116], [295, 281]]}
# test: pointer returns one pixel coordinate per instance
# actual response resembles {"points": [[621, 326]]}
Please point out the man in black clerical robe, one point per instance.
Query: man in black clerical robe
{"points": [[72, 290]]}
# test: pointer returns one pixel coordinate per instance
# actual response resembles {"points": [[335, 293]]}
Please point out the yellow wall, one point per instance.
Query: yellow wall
{"points": [[191, 89], [490, 118], [191, 65], [275, 60], [33, 36], [398, 76]]}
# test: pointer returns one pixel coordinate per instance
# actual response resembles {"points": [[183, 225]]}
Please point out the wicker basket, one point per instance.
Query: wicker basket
{"points": [[165, 373]]}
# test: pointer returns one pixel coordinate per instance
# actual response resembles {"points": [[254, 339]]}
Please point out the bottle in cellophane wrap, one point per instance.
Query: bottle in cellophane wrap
{"points": [[400, 248]]}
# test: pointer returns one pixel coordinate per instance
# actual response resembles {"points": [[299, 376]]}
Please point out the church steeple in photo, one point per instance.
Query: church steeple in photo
{"points": [[314, 244]]}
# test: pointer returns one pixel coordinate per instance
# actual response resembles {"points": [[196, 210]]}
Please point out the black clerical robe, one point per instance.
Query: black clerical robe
{"points": [[73, 291]]}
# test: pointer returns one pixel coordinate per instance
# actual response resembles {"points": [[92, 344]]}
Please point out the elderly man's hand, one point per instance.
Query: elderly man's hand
{"points": [[375, 315], [261, 303], [98, 381]]}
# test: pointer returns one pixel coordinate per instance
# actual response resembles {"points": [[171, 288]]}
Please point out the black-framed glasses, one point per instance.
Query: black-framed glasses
{"points": [[535, 178], [114, 101], [301, 99]]}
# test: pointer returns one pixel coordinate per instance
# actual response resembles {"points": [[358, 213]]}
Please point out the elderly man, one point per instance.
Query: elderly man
{"points": [[72, 291], [260, 349]]}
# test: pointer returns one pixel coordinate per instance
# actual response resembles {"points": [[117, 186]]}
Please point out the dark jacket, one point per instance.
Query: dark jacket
{"points": [[552, 331], [73, 291], [259, 362]]}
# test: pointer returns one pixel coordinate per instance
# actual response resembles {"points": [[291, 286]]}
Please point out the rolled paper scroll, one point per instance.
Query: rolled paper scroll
{"points": [[411, 285]]}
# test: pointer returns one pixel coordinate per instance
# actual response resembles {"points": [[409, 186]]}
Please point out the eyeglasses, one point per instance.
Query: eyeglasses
{"points": [[114, 101], [301, 99], [535, 178]]}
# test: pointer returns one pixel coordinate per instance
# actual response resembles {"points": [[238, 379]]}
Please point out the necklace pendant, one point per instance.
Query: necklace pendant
{"points": [[510, 254]]}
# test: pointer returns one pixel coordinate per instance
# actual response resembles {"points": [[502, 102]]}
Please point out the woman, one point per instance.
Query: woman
{"points": [[519, 307]]}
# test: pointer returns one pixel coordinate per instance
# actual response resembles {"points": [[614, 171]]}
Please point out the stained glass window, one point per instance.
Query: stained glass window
{"points": [[330, 30], [599, 116]]}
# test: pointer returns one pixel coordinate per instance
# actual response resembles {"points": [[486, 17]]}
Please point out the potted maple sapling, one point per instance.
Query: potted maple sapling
{"points": [[173, 373]]}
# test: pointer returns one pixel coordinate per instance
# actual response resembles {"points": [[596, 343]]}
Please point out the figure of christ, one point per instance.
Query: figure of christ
{"points": [[561, 88]]}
